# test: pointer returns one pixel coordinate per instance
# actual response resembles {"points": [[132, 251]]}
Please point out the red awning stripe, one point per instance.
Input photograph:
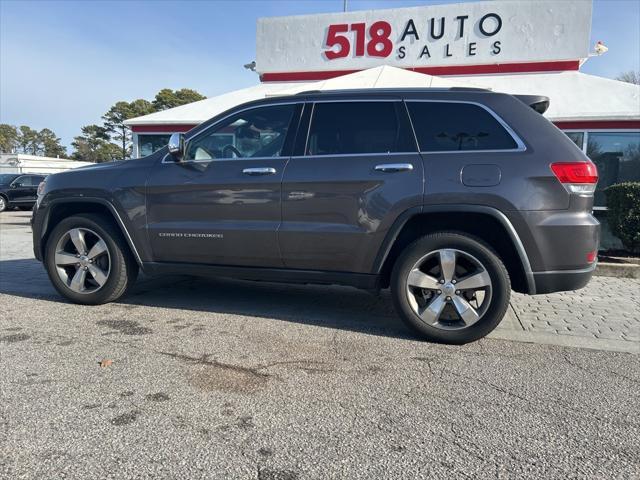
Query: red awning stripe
{"points": [[599, 124], [528, 67]]}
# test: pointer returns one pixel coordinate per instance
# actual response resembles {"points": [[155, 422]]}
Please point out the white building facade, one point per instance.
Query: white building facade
{"points": [[23, 163]]}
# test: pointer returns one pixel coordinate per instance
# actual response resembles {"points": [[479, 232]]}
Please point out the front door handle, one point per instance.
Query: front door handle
{"points": [[394, 167], [259, 171]]}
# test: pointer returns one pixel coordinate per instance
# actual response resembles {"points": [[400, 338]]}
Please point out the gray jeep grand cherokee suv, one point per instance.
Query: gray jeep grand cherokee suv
{"points": [[449, 197]]}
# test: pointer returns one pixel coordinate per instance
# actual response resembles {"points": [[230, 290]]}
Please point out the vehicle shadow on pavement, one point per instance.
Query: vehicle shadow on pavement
{"points": [[328, 306]]}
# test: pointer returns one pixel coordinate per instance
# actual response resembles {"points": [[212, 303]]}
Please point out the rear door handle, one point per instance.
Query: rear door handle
{"points": [[394, 167], [259, 171]]}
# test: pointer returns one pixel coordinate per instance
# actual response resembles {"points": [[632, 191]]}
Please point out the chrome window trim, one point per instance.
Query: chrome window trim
{"points": [[510, 150], [213, 125], [209, 160], [379, 154], [521, 146]]}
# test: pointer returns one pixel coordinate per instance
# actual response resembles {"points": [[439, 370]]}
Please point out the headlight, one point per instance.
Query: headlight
{"points": [[40, 194], [41, 187]]}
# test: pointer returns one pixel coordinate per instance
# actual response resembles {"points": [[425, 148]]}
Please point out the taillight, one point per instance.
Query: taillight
{"points": [[577, 177]]}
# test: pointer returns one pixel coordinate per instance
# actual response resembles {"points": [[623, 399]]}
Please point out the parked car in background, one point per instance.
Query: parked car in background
{"points": [[450, 197], [19, 190]]}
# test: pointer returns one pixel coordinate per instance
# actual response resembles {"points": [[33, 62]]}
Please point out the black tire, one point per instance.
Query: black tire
{"points": [[124, 268], [500, 286], [4, 203]]}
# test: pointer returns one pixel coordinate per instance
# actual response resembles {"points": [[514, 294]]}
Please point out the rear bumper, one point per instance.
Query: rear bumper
{"points": [[558, 245], [562, 280], [558, 241]]}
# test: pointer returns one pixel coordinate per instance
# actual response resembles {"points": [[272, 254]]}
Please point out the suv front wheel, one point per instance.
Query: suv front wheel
{"points": [[88, 260], [450, 288]]}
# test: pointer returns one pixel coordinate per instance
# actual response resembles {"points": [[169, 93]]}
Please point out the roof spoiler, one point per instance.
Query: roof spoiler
{"points": [[538, 102]]}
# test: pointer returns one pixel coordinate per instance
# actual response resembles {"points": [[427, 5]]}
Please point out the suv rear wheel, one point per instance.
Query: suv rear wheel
{"points": [[450, 288], [88, 261]]}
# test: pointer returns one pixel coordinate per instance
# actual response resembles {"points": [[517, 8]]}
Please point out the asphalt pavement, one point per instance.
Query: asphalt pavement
{"points": [[225, 379]]}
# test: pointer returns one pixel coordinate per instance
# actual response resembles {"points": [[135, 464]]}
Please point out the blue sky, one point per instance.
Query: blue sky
{"points": [[64, 63]]}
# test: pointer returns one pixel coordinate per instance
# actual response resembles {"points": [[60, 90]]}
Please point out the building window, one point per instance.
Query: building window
{"points": [[148, 144], [617, 156], [577, 138]]}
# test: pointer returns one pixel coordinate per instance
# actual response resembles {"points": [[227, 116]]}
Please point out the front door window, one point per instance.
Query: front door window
{"points": [[255, 133]]}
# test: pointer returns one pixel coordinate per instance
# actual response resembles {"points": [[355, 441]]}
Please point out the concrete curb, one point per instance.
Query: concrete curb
{"points": [[621, 270], [511, 329], [566, 341]]}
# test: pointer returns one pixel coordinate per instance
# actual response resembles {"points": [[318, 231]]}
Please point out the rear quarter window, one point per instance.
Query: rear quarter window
{"points": [[443, 127]]}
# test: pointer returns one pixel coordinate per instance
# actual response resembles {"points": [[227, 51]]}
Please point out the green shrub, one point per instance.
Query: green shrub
{"points": [[623, 202]]}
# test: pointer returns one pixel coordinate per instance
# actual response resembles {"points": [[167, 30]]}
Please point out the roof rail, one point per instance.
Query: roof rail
{"points": [[393, 90], [309, 92], [469, 89]]}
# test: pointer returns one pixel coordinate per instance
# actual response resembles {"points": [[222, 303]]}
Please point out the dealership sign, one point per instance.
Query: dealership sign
{"points": [[456, 35]]}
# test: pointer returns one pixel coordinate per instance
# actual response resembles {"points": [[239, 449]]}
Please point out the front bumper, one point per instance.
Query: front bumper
{"points": [[37, 227]]}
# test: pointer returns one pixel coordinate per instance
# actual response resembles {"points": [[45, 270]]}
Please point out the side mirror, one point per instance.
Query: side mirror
{"points": [[176, 146], [15, 185]]}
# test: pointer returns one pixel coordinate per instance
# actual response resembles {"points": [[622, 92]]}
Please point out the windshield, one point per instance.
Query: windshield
{"points": [[7, 177]]}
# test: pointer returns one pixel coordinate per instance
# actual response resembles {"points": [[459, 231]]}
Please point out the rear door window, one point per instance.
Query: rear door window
{"points": [[33, 181], [447, 126], [344, 128]]}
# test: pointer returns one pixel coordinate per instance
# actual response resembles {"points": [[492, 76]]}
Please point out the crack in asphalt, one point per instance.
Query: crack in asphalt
{"points": [[205, 360]]}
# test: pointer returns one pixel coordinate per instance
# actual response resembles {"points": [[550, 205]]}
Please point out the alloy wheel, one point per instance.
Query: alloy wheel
{"points": [[449, 289], [82, 260]]}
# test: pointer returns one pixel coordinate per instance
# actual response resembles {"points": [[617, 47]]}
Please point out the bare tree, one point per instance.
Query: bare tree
{"points": [[629, 77]]}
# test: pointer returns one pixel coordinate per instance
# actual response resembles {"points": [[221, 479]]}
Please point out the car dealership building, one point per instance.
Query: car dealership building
{"points": [[513, 47]]}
